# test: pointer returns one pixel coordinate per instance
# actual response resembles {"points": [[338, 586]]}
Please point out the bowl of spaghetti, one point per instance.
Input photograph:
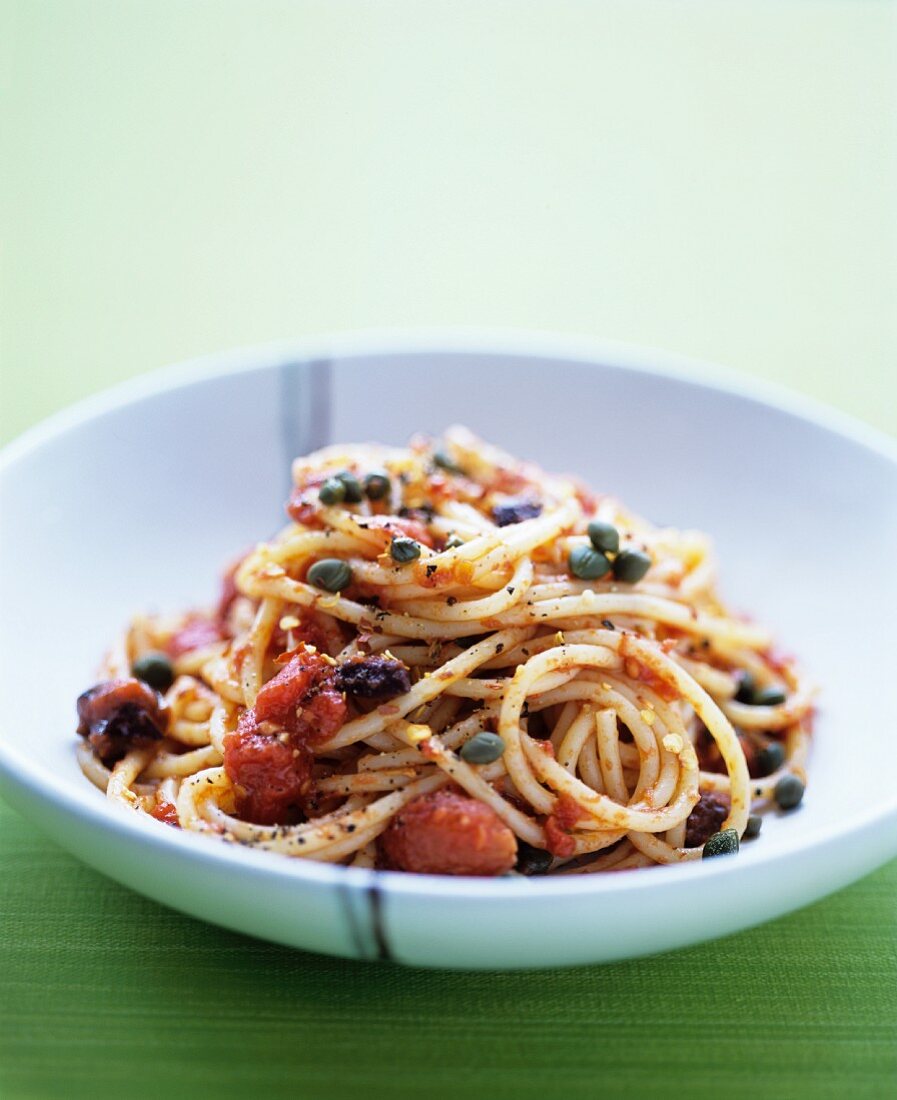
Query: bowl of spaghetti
{"points": [[371, 644]]}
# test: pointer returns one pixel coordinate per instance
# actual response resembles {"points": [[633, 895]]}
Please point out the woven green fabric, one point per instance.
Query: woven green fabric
{"points": [[714, 179], [102, 989]]}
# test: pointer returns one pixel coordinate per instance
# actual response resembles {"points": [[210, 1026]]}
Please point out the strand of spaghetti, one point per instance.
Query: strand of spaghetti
{"points": [[662, 611], [296, 546], [259, 638], [699, 580], [603, 862], [371, 574], [494, 689], [373, 538], [675, 837], [308, 841], [660, 851], [189, 664], [797, 746], [418, 656], [123, 775], [166, 764], [220, 725], [440, 712], [368, 782], [195, 791], [95, 770], [609, 756], [563, 722], [336, 846], [485, 608], [167, 790], [189, 733], [453, 737], [768, 718], [719, 684], [379, 537], [461, 517], [190, 698], [374, 643], [218, 677], [586, 844], [523, 538], [383, 742], [366, 856], [581, 728], [633, 862], [588, 764], [196, 711], [350, 611]]}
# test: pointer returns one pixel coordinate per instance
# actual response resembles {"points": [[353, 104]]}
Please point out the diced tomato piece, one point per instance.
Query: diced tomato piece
{"points": [[449, 833], [166, 812], [302, 698], [270, 776]]}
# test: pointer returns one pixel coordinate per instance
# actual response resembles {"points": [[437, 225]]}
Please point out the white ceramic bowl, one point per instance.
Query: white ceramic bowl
{"points": [[134, 500]]}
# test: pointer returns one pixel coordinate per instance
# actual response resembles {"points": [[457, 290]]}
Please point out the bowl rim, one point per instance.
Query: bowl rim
{"points": [[20, 772]]}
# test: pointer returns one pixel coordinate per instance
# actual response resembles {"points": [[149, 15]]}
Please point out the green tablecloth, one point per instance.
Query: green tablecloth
{"points": [[715, 179], [106, 994]]}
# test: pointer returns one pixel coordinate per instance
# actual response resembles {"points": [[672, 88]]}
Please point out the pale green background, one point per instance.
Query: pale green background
{"points": [[713, 178], [181, 176]]}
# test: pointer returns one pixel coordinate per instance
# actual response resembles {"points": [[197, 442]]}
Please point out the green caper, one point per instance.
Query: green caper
{"points": [[403, 550], [770, 758], [444, 461], [724, 843], [604, 536], [453, 542], [752, 828], [333, 491], [331, 574], [352, 485], [482, 749], [377, 486], [747, 687], [631, 565], [768, 697], [155, 669], [532, 861], [587, 563], [788, 792]]}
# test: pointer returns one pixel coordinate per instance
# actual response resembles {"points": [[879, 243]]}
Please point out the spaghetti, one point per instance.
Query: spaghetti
{"points": [[451, 662]]}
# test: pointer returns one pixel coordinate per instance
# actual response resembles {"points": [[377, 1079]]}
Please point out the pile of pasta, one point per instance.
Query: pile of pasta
{"points": [[452, 662]]}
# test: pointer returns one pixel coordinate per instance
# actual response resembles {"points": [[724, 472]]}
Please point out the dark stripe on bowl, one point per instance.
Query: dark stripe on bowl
{"points": [[364, 916], [378, 922]]}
